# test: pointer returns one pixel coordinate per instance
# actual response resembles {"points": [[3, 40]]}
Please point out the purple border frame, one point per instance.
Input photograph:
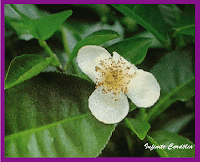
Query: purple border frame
{"points": [[92, 2]]}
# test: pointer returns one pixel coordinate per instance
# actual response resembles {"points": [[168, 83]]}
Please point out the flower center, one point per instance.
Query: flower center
{"points": [[113, 76]]}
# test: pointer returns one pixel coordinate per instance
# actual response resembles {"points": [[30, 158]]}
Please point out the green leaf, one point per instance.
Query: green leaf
{"points": [[175, 125], [10, 12], [40, 28], [25, 67], [47, 25], [29, 10], [161, 152], [187, 17], [75, 137], [96, 38], [21, 29], [150, 17], [155, 43], [188, 30], [175, 74], [186, 24], [171, 14], [44, 27], [32, 24], [132, 106], [48, 116], [140, 128], [133, 49], [171, 142]]}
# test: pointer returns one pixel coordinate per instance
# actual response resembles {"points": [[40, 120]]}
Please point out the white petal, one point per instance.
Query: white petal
{"points": [[106, 109], [143, 90], [88, 57], [116, 57]]}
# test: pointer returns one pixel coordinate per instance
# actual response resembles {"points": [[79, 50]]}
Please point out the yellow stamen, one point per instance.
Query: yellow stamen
{"points": [[113, 76]]}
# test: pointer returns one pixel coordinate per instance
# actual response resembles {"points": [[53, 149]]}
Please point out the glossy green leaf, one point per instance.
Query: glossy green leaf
{"points": [[133, 49], [140, 128], [48, 116], [175, 74], [96, 38], [175, 145], [150, 17], [25, 67], [75, 137]]}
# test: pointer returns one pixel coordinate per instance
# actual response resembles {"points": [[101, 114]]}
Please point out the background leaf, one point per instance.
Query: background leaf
{"points": [[188, 30], [167, 138], [170, 13], [148, 16], [186, 23], [96, 38], [188, 16], [140, 128], [49, 117], [133, 49], [177, 67], [155, 43], [175, 125], [25, 67]]}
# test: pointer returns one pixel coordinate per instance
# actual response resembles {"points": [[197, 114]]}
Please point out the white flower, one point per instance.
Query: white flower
{"points": [[115, 78]]}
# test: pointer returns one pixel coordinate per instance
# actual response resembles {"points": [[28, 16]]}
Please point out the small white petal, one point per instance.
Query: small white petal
{"points": [[116, 57], [106, 109], [88, 57], [143, 90]]}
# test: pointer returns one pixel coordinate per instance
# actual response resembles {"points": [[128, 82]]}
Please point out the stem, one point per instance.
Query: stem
{"points": [[46, 47], [69, 67], [55, 61], [42, 43], [64, 36]]}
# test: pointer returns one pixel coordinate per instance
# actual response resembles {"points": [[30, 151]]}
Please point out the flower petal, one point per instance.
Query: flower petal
{"points": [[116, 57], [106, 109], [143, 90], [89, 57]]}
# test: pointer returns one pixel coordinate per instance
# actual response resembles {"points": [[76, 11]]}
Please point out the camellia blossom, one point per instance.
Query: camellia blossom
{"points": [[115, 79]]}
